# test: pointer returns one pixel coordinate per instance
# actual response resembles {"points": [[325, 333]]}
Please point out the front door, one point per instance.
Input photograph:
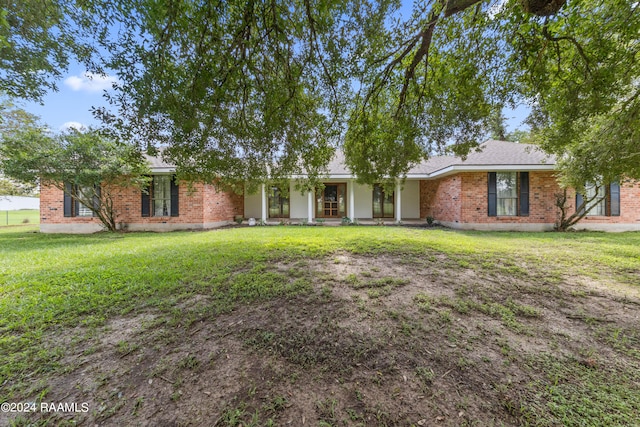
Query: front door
{"points": [[331, 201]]}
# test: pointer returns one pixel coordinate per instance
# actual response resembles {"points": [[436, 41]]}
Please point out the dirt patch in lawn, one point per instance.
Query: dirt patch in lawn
{"points": [[378, 341]]}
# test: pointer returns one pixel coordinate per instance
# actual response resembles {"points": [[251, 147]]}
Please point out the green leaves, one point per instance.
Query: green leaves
{"points": [[38, 39], [249, 91], [91, 164], [238, 90]]}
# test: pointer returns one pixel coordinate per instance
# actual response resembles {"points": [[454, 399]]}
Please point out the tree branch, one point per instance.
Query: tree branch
{"points": [[422, 52], [548, 36]]}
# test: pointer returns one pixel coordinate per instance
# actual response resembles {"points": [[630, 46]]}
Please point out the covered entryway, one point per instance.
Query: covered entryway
{"points": [[331, 201]]}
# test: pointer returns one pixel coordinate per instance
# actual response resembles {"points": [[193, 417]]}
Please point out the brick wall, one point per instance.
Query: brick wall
{"points": [[52, 208], [198, 204], [441, 198], [542, 188], [220, 205], [629, 207], [463, 198]]}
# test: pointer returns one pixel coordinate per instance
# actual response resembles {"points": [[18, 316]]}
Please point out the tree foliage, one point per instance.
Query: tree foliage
{"points": [[12, 188], [39, 38], [94, 166], [248, 90]]}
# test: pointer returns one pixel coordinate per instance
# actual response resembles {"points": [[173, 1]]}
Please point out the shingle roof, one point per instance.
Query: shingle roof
{"points": [[492, 153], [336, 166], [489, 153], [156, 163]]}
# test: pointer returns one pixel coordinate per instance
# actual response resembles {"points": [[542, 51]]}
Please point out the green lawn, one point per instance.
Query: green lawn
{"points": [[62, 294], [21, 217]]}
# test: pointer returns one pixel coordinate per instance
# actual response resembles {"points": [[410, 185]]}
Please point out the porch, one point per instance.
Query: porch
{"points": [[338, 198]]}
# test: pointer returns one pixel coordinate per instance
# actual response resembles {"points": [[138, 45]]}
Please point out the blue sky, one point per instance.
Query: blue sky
{"points": [[77, 92]]}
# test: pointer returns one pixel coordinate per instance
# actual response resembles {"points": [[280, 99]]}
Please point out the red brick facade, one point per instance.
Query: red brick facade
{"points": [[463, 199], [200, 206], [441, 199], [457, 200]]}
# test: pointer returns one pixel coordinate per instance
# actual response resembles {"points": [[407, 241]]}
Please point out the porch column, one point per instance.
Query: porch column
{"points": [[264, 203], [398, 201], [352, 203], [310, 206]]}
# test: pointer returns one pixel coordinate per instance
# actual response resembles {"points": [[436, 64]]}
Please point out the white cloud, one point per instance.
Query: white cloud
{"points": [[72, 125], [90, 82]]}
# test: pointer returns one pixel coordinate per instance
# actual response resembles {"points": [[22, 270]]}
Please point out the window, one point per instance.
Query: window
{"points": [[382, 202], [598, 194], [278, 204], [72, 206], [161, 198], [161, 195], [84, 193], [508, 194], [607, 198]]}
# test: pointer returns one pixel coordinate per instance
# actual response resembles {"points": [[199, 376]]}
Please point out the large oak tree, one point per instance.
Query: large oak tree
{"points": [[254, 89]]}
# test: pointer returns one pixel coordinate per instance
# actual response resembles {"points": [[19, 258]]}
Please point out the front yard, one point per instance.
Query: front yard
{"points": [[320, 326]]}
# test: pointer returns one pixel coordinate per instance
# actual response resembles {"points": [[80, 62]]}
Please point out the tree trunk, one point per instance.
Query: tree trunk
{"points": [[564, 222], [542, 7]]}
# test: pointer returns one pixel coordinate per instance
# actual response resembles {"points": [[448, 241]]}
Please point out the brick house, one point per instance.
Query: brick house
{"points": [[505, 186]]}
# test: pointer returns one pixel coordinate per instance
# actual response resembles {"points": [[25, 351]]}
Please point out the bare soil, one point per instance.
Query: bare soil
{"points": [[379, 341]]}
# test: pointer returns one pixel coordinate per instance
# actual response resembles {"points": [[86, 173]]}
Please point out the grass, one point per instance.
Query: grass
{"points": [[51, 285], [19, 217]]}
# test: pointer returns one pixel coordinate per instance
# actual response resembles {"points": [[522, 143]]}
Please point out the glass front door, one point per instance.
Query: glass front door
{"points": [[331, 201]]}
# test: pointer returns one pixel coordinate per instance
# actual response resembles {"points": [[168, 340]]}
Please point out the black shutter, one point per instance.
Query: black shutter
{"points": [[492, 209], [145, 207], [68, 207], [96, 199], [524, 194], [614, 199], [175, 205], [579, 203]]}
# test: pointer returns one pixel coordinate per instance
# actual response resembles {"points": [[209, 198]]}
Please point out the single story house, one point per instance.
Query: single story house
{"points": [[504, 186]]}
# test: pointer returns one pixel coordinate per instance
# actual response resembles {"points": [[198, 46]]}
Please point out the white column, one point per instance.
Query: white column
{"points": [[398, 201], [310, 206], [264, 203], [352, 209]]}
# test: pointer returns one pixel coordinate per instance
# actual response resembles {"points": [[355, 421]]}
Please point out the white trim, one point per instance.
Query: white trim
{"points": [[484, 168], [398, 201], [352, 207], [72, 228], [76, 228], [310, 206], [493, 226], [456, 169], [263, 190], [609, 227]]}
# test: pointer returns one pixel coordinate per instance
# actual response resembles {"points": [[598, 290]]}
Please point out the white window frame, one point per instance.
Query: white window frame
{"points": [[83, 210], [600, 208], [161, 196], [506, 204]]}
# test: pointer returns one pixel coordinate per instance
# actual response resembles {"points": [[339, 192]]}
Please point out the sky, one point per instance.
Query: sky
{"points": [[71, 105]]}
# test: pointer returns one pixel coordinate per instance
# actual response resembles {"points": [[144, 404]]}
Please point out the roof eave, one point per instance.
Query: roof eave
{"points": [[450, 170]]}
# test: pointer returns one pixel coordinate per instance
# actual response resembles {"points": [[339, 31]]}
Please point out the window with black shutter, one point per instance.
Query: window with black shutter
{"points": [[609, 205], [508, 194], [161, 198], [72, 206]]}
